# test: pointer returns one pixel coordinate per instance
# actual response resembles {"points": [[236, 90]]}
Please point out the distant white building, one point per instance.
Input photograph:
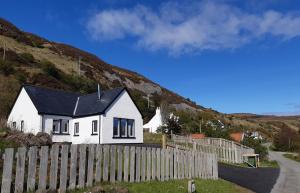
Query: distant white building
{"points": [[155, 122], [106, 117]]}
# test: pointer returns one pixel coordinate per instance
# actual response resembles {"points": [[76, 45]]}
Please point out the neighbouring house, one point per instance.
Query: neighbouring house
{"points": [[155, 122], [197, 136], [237, 137], [104, 117]]}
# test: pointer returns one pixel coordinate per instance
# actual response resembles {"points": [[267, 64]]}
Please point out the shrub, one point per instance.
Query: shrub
{"points": [[50, 69], [6, 68], [257, 146], [27, 57]]}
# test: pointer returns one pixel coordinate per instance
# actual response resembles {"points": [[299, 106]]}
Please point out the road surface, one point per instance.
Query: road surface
{"points": [[289, 177]]}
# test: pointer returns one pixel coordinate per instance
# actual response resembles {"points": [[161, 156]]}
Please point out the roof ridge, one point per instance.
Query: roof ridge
{"points": [[51, 89]]}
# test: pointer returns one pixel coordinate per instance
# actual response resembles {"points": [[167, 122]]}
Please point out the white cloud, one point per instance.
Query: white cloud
{"points": [[180, 28]]}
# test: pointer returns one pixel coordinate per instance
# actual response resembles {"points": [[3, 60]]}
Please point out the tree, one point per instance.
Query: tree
{"points": [[287, 139], [172, 126], [257, 146]]}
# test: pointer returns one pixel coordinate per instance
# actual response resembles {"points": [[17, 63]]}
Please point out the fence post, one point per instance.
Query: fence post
{"points": [[64, 168], [132, 163], [8, 158], [105, 162], [90, 169], [32, 157], [43, 168], [112, 174], [138, 164], [73, 167], [143, 165], [99, 155], [53, 167], [20, 170], [153, 156], [120, 162], [82, 165], [158, 164], [126, 163]]}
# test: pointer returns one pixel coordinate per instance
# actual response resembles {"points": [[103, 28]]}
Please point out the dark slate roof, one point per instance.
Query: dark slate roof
{"points": [[90, 105], [56, 102]]}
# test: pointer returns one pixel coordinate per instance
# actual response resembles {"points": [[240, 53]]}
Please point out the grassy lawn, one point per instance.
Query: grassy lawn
{"points": [[263, 164], [152, 138], [174, 186], [292, 156]]}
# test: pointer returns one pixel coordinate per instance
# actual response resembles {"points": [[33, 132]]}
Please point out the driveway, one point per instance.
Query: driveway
{"points": [[260, 180], [289, 177]]}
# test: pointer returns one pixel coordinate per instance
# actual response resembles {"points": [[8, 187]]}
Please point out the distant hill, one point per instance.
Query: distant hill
{"points": [[36, 60]]}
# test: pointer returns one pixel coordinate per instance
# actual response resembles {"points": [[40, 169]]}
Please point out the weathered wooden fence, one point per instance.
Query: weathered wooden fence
{"points": [[226, 150], [66, 167]]}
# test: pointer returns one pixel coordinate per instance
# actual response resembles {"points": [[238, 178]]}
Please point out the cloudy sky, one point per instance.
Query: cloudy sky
{"points": [[233, 56]]}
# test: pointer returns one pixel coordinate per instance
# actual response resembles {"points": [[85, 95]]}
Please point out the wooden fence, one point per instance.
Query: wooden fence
{"points": [[66, 167], [226, 150]]}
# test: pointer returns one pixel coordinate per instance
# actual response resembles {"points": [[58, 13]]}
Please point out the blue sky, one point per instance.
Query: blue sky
{"points": [[232, 56]]}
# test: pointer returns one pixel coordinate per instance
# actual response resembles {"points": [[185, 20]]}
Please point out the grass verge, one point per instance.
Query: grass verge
{"points": [[173, 186], [292, 156]]}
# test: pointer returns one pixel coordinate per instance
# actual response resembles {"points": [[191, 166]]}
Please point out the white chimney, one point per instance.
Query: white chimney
{"points": [[99, 93]]}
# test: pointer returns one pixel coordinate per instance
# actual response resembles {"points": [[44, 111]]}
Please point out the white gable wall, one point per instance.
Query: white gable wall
{"points": [[123, 107], [25, 110]]}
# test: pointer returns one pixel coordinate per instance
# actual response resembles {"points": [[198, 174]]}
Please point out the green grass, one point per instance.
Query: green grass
{"points": [[152, 138], [292, 157], [174, 186], [269, 164], [263, 164]]}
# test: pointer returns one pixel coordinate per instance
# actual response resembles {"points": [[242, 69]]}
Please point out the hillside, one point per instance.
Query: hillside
{"points": [[28, 58]]}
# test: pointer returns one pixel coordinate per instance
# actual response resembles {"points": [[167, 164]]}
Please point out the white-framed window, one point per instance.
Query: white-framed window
{"points": [[76, 129], [116, 125], [94, 127], [22, 126], [14, 125], [56, 126], [123, 128], [65, 126], [130, 128]]}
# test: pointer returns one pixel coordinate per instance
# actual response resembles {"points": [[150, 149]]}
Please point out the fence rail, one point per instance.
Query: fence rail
{"points": [[66, 167], [226, 150]]}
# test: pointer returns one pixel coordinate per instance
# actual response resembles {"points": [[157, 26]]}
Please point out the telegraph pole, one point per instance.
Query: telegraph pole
{"points": [[4, 51], [79, 63]]}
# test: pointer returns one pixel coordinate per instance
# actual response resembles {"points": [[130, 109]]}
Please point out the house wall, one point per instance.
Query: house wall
{"points": [[25, 110], [123, 107], [85, 130], [155, 122], [48, 126]]}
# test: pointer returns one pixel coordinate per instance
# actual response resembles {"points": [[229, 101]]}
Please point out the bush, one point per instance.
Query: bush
{"points": [[50, 69], [257, 146], [287, 139], [27, 57], [6, 68]]}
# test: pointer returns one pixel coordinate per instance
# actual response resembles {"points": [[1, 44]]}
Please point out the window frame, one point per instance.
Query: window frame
{"points": [[58, 128], [22, 126], [14, 125], [76, 125], [95, 126], [127, 134]]}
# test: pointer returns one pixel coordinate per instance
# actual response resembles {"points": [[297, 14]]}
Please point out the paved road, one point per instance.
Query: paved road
{"points": [[259, 180], [289, 177]]}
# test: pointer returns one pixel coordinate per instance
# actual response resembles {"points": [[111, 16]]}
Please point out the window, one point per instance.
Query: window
{"points": [[123, 128], [94, 127], [65, 126], [130, 127], [56, 126], [22, 126], [76, 129], [116, 127], [14, 125], [60, 126]]}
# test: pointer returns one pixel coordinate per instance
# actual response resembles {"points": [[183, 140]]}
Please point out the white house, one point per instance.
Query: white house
{"points": [[155, 122], [106, 117]]}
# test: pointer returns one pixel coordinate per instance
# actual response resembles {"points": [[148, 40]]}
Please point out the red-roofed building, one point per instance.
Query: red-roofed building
{"points": [[197, 136], [238, 136]]}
